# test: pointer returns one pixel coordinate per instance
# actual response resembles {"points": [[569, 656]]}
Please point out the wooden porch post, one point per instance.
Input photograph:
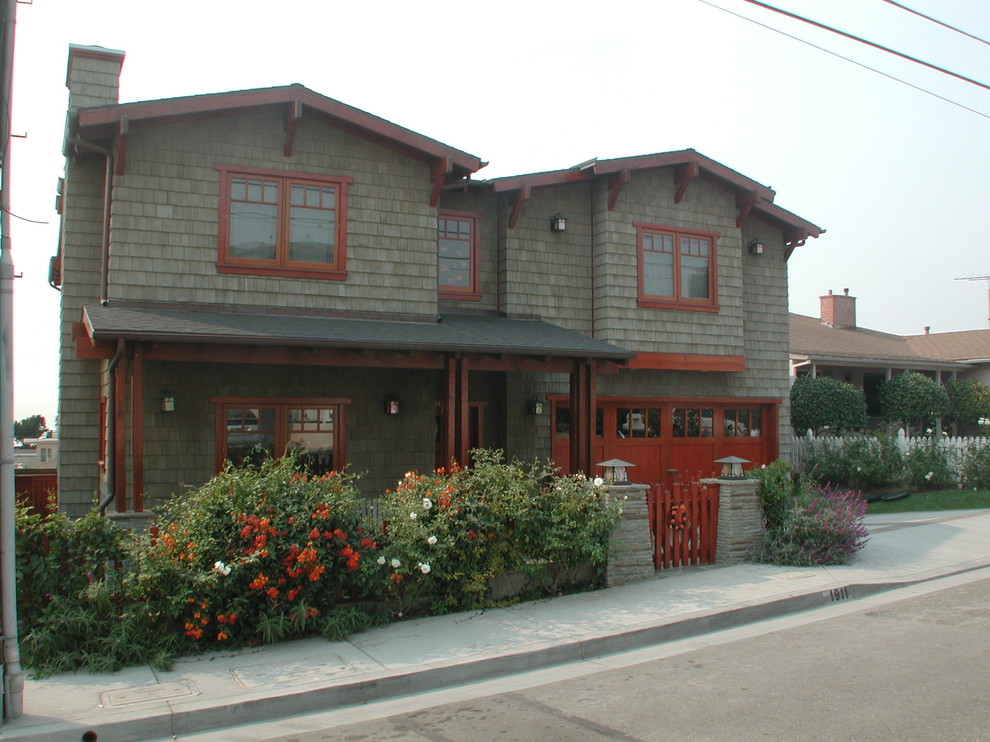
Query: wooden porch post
{"points": [[120, 430], [455, 414], [137, 429], [583, 402]]}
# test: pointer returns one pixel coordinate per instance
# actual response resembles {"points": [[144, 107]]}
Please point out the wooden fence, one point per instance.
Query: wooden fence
{"points": [[685, 524], [35, 489]]}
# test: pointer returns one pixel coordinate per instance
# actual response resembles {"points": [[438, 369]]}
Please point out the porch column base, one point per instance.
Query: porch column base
{"points": [[631, 555], [740, 523]]}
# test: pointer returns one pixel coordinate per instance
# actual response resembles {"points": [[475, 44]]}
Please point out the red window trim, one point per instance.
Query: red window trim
{"points": [[677, 301], [281, 266], [222, 404], [473, 291]]}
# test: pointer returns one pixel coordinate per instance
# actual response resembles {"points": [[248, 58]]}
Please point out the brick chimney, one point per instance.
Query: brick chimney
{"points": [[839, 311], [93, 76]]}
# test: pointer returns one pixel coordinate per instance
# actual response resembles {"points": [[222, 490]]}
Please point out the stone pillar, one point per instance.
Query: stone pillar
{"points": [[740, 522], [631, 556]]}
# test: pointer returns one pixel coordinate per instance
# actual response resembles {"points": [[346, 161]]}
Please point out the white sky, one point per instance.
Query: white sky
{"points": [[897, 178]]}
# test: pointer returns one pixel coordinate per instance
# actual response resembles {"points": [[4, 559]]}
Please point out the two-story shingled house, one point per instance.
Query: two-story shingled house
{"points": [[262, 269]]}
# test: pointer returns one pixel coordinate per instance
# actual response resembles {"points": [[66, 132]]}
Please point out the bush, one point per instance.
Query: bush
{"points": [[976, 467], [824, 526], [257, 555], [451, 532], [821, 403], [927, 466], [969, 401], [776, 492], [913, 399], [862, 462]]}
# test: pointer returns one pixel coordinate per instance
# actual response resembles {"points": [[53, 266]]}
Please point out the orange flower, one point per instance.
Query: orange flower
{"points": [[395, 577], [272, 592], [258, 582], [315, 533], [367, 543], [221, 635]]}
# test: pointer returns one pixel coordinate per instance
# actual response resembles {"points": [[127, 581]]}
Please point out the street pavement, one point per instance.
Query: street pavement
{"points": [[221, 689]]}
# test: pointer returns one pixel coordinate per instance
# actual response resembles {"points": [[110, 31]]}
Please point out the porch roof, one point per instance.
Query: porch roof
{"points": [[451, 332]]}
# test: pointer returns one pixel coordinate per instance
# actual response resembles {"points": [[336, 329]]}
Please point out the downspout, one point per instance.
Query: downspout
{"points": [[111, 429], [105, 238], [13, 680]]}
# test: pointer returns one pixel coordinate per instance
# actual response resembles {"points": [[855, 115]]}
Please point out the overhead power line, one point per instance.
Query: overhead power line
{"points": [[869, 43], [847, 59], [936, 20]]}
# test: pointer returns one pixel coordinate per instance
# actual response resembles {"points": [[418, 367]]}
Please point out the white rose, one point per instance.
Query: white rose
{"points": [[381, 560], [412, 516], [427, 503], [396, 563], [599, 481], [431, 540], [424, 568]]}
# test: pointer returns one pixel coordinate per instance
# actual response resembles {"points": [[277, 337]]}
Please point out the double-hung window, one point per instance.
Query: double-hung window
{"points": [[457, 255], [676, 268], [291, 224]]}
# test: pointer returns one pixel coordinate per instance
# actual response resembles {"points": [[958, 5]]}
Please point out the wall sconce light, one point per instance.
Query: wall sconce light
{"points": [[756, 247], [558, 223], [536, 405], [615, 471], [168, 402], [732, 467], [391, 405]]}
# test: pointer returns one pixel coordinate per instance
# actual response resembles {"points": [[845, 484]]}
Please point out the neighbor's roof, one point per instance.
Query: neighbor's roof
{"points": [[816, 341], [106, 122], [475, 333]]}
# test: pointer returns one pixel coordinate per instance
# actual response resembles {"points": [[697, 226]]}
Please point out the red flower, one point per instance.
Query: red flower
{"points": [[272, 592], [258, 582], [315, 533], [367, 543]]}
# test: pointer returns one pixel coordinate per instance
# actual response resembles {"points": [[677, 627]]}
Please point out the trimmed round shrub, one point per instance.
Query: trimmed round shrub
{"points": [[824, 403], [913, 399], [969, 401]]}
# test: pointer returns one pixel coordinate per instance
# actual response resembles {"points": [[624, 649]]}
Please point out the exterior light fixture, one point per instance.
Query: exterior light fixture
{"points": [[756, 247], [536, 405], [391, 405], [732, 467], [615, 471], [558, 223], [168, 402]]}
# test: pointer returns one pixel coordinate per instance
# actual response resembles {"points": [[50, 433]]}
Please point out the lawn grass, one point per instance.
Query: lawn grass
{"points": [[938, 500]]}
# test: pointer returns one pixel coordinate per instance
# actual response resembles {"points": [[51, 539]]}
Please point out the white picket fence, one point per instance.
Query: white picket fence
{"points": [[954, 446]]}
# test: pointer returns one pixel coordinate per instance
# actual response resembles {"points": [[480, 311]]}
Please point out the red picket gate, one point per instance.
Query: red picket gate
{"points": [[685, 524]]}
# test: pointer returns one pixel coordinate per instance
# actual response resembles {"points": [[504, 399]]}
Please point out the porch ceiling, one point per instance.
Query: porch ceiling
{"points": [[466, 333]]}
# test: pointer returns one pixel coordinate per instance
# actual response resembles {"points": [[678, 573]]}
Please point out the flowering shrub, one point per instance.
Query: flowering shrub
{"points": [[776, 492], [976, 467], [257, 555], [450, 532], [864, 462], [824, 526], [927, 465]]}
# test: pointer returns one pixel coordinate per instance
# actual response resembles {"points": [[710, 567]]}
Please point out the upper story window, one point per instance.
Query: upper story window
{"points": [[676, 268], [457, 255], [291, 224]]}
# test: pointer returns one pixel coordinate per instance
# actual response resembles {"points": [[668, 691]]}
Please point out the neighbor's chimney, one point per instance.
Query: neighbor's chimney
{"points": [[839, 311], [93, 76]]}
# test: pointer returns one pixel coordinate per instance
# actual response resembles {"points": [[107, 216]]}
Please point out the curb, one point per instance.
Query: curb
{"points": [[267, 708]]}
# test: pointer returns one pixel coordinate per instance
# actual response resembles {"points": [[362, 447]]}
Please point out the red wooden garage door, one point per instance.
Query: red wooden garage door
{"points": [[658, 435]]}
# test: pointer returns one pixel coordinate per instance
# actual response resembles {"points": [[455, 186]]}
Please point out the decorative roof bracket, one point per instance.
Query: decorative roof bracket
{"points": [[521, 198], [615, 183], [293, 117], [745, 202], [442, 168], [683, 174], [121, 145]]}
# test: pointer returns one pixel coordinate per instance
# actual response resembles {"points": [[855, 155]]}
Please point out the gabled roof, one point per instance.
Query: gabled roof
{"points": [[474, 333], [751, 196], [296, 101], [816, 341]]}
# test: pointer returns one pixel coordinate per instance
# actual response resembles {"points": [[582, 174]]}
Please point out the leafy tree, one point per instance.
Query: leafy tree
{"points": [[30, 427], [969, 401], [823, 402], [913, 399]]}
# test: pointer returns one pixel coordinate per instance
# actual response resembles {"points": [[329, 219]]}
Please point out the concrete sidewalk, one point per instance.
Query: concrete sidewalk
{"points": [[227, 688]]}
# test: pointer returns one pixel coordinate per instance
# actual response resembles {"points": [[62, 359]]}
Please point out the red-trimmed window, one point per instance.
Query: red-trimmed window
{"points": [[676, 268], [251, 430], [457, 255], [291, 224]]}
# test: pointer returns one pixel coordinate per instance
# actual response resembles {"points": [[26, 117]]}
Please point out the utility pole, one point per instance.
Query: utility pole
{"points": [[13, 677], [980, 278]]}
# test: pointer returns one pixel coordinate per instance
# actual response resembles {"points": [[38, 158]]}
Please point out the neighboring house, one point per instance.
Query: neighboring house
{"points": [[834, 345], [36, 453], [250, 271]]}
